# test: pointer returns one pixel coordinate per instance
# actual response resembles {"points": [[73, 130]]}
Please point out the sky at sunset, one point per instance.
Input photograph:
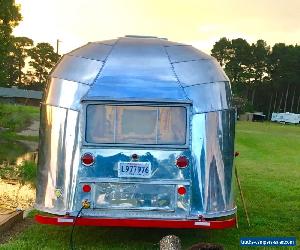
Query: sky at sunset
{"points": [[197, 22]]}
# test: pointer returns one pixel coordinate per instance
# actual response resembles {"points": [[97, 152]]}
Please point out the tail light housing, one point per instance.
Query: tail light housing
{"points": [[182, 162], [87, 159], [181, 190], [86, 188]]}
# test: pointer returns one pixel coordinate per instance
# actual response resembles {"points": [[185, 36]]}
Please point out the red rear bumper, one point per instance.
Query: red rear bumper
{"points": [[155, 223]]}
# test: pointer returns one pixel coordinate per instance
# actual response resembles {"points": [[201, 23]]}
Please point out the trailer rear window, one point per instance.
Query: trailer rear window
{"points": [[136, 124]]}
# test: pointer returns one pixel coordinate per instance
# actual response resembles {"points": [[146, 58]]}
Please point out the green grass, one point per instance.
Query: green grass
{"points": [[10, 149], [269, 170], [17, 117], [14, 118]]}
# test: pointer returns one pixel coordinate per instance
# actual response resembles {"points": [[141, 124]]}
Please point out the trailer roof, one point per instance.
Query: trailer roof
{"points": [[142, 68]]}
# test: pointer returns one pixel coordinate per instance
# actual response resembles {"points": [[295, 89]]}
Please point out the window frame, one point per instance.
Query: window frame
{"points": [[187, 106]]}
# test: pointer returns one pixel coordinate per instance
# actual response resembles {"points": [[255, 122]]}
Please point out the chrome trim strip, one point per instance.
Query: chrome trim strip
{"points": [[133, 180]]}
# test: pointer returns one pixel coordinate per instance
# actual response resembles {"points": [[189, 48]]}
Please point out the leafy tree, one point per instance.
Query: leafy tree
{"points": [[42, 60], [222, 51], [267, 79], [285, 72], [16, 59], [234, 56], [238, 66], [259, 66], [10, 16]]}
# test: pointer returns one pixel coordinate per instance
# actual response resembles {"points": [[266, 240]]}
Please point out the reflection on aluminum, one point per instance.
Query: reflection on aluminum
{"points": [[65, 94], [212, 97], [186, 53], [134, 196], [199, 72], [58, 158], [77, 69], [94, 51], [213, 155]]}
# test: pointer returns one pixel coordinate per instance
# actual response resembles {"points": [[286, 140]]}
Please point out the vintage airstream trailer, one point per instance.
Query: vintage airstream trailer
{"points": [[137, 131]]}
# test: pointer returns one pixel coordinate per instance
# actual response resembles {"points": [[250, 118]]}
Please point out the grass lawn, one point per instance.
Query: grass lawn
{"points": [[269, 170], [14, 118]]}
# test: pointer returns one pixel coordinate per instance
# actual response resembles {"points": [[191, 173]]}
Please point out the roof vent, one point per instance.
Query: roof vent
{"points": [[137, 36]]}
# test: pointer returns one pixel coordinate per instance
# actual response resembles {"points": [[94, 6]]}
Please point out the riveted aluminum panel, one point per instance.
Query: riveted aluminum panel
{"points": [[213, 147], [138, 60], [209, 97], [77, 69], [197, 72], [94, 51], [137, 68], [58, 156], [143, 202], [164, 172], [162, 162], [135, 90], [64, 93], [137, 196], [186, 53]]}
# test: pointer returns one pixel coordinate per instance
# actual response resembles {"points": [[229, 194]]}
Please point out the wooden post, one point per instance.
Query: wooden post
{"points": [[242, 196]]}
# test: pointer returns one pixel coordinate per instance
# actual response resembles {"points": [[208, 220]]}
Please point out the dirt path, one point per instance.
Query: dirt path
{"points": [[32, 130]]}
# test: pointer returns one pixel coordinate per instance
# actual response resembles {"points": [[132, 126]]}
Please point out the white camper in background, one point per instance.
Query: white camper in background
{"points": [[286, 117]]}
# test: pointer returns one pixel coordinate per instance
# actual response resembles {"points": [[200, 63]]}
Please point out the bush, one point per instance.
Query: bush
{"points": [[24, 173], [242, 105], [27, 172]]}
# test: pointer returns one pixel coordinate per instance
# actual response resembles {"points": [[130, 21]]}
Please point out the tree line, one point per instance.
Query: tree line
{"points": [[22, 63], [262, 78]]}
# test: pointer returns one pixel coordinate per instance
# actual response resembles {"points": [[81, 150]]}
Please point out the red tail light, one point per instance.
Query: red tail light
{"points": [[86, 188], [87, 159], [181, 190], [182, 162]]}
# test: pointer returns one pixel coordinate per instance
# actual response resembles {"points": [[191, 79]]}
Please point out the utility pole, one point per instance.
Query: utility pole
{"points": [[57, 45]]}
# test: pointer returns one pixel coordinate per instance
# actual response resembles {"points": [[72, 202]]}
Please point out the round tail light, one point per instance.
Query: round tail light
{"points": [[86, 188], [181, 190], [182, 162], [87, 159]]}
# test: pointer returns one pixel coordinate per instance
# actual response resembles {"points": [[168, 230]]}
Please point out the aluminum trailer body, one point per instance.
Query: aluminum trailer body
{"points": [[139, 131]]}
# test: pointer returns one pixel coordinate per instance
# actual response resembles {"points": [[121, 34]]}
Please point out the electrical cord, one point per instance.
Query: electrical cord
{"points": [[73, 227]]}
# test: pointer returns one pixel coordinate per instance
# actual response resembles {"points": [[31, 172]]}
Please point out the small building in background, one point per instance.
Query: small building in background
{"points": [[20, 96], [253, 117]]}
